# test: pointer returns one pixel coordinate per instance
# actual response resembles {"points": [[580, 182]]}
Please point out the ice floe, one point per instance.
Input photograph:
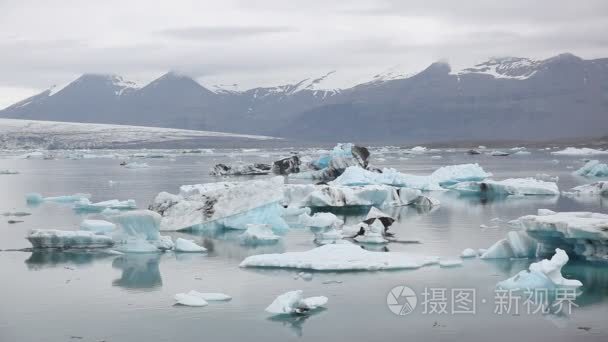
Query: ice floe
{"points": [[190, 299], [287, 165], [230, 205], [34, 198], [187, 246], [310, 195], [84, 204], [543, 275], [329, 166], [593, 168], [468, 253], [8, 172], [450, 262], [240, 169], [138, 232], [517, 244], [53, 238], [573, 151], [320, 220], [597, 188], [507, 187], [340, 257], [293, 302]]}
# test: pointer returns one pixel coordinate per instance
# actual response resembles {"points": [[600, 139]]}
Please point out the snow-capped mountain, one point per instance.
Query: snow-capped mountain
{"points": [[501, 98]]}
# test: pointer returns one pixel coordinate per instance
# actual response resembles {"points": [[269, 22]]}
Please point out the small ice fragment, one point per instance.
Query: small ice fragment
{"points": [[210, 296], [188, 246], [292, 302], [258, 234], [468, 253], [190, 300]]}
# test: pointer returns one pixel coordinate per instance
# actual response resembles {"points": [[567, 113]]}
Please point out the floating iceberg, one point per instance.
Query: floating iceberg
{"points": [[211, 296], [339, 257], [188, 246], [84, 204], [230, 205], [327, 236], [583, 234], [444, 176], [593, 168], [53, 238], [320, 220], [517, 245], [190, 299], [543, 275], [507, 187], [371, 230], [293, 302], [468, 253], [573, 151], [97, 226], [138, 232], [597, 188], [372, 233], [522, 153], [310, 195], [9, 172], [240, 169], [34, 198], [258, 234], [135, 165], [499, 154], [340, 158], [286, 165]]}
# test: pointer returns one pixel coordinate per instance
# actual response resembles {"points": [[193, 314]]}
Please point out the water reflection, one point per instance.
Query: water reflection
{"points": [[41, 259], [139, 271]]}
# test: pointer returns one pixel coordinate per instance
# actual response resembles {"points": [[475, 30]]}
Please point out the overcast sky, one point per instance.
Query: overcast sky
{"points": [[261, 43]]}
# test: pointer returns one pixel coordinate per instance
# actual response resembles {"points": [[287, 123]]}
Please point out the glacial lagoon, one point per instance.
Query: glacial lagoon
{"points": [[96, 296]]}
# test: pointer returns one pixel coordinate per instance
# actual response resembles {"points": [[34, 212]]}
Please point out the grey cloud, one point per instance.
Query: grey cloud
{"points": [[224, 32]]}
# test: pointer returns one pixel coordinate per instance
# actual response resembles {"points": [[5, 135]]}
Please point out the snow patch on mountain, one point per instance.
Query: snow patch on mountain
{"points": [[505, 67]]}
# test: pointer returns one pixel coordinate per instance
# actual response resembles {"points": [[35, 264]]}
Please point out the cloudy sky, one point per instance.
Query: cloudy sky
{"points": [[261, 43]]}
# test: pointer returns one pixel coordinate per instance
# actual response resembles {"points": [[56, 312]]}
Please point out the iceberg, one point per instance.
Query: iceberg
{"points": [[583, 234], [85, 205], [53, 238], [240, 169], [135, 165], [211, 296], [230, 205], [34, 198], [573, 151], [444, 176], [339, 257], [320, 220], [258, 234], [597, 188], [188, 246], [507, 187], [593, 168], [468, 253], [9, 172], [310, 195], [293, 302], [545, 275], [517, 245], [97, 226], [450, 262], [287, 165], [328, 235], [190, 299], [372, 233], [138, 232], [499, 154], [340, 158]]}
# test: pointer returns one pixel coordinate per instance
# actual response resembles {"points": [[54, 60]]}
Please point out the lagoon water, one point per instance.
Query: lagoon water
{"points": [[76, 296]]}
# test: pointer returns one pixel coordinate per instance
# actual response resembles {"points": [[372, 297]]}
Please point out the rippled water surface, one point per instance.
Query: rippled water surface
{"points": [[76, 296]]}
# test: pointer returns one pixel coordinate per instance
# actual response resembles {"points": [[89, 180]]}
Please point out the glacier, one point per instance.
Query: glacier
{"points": [[543, 275], [340, 257], [293, 302], [230, 205]]}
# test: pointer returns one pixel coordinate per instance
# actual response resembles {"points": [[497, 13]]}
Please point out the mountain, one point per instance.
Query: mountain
{"points": [[503, 98]]}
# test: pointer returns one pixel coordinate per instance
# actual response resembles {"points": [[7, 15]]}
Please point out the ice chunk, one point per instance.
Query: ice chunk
{"points": [[222, 205], [188, 246], [34, 198], [293, 302], [583, 234], [522, 153], [573, 151], [286, 165], [328, 235], [545, 274], [84, 204], [211, 296], [339, 257], [511, 186], [443, 176], [189, 299], [468, 253], [135, 165], [53, 238], [373, 233], [240, 169], [138, 232], [499, 154], [309, 195], [547, 178], [425, 202], [258, 234], [320, 220], [597, 188], [450, 262], [9, 172], [593, 168], [517, 245], [97, 226]]}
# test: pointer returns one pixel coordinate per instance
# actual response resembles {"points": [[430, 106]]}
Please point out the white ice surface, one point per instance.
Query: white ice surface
{"points": [[188, 246]]}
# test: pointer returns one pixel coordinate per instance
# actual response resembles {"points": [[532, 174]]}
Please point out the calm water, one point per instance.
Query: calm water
{"points": [[96, 297]]}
